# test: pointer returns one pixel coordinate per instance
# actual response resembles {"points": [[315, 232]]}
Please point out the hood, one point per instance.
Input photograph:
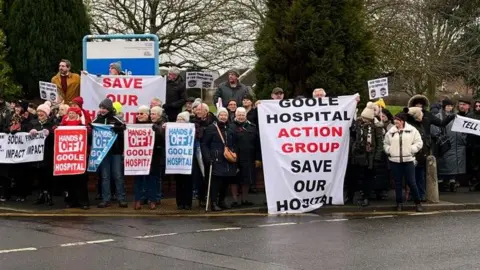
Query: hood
{"points": [[419, 98]]}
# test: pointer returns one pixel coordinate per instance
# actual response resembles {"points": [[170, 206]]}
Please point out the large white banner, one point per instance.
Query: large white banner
{"points": [[466, 125], [130, 91], [22, 147], [305, 146], [139, 140], [179, 142]]}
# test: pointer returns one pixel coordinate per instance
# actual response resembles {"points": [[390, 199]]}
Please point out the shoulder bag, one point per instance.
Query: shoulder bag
{"points": [[227, 153]]}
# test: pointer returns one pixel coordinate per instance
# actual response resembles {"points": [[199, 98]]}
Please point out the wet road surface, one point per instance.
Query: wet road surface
{"points": [[446, 241]]}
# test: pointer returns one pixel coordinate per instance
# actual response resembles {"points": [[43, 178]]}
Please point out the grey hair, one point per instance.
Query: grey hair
{"points": [[174, 70], [158, 110], [240, 110]]}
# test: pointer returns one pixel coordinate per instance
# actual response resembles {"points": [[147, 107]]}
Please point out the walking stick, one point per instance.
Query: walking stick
{"points": [[208, 191]]}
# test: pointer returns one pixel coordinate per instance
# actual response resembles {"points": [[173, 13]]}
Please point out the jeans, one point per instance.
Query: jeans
{"points": [[146, 187], [420, 180], [112, 168], [404, 170]]}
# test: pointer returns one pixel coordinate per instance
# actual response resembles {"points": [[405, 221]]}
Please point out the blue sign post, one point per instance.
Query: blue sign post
{"points": [[137, 54]]}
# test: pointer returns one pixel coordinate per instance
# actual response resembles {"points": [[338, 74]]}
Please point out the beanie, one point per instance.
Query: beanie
{"points": [[144, 109], [447, 102], [222, 110], [234, 71], [416, 113], [117, 106], [369, 111], [107, 104], [48, 103], [185, 116], [78, 101], [44, 108], [117, 66]]}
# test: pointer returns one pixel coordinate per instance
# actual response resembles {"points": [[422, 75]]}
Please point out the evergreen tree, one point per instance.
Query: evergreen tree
{"points": [[39, 34], [306, 44]]}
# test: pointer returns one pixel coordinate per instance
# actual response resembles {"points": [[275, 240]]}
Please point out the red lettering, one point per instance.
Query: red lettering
{"points": [[123, 83], [310, 147], [107, 83], [138, 83], [133, 100], [129, 100], [310, 132]]}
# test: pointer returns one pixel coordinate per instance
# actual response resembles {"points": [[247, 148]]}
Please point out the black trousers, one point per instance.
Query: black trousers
{"points": [[184, 189], [21, 174], [45, 178], [200, 180], [359, 177], [219, 187], [77, 188]]}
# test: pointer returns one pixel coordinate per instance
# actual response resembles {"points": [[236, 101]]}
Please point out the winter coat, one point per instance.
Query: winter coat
{"points": [[49, 141], [421, 156], [247, 147], [401, 146], [252, 116], [11, 122], [473, 143], [119, 125], [213, 149], [5, 114], [158, 157], [227, 93], [454, 161], [367, 143], [176, 97], [429, 119], [73, 86], [435, 108]]}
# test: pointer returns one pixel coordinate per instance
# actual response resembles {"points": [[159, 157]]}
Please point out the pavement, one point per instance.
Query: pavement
{"points": [[463, 199], [442, 241]]}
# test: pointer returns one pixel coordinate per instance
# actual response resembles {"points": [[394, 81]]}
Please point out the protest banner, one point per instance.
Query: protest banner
{"points": [[199, 79], [70, 151], [378, 88], [103, 138], [306, 142], [130, 91], [48, 91], [179, 142], [138, 143], [22, 147], [466, 125]]}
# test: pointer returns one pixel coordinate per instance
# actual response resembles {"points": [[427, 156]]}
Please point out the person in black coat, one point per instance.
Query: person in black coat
{"points": [[43, 123], [213, 148], [184, 182], [202, 119], [176, 94], [247, 147], [252, 113], [112, 164]]}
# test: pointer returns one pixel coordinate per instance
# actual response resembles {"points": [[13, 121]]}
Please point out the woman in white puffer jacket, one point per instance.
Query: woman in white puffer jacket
{"points": [[401, 143]]}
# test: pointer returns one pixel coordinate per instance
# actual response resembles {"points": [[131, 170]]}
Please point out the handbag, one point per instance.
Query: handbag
{"points": [[227, 153], [443, 143]]}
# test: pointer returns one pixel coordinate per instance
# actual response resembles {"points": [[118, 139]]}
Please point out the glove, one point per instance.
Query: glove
{"points": [[258, 164]]}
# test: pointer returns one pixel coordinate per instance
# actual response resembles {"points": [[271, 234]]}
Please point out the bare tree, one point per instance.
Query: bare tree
{"points": [[201, 33]]}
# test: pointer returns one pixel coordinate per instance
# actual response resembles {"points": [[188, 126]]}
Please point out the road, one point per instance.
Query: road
{"points": [[443, 241]]}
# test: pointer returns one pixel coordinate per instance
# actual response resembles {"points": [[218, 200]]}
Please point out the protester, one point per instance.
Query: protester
{"points": [[112, 164], [44, 168], [188, 104], [184, 182], [319, 93], [218, 136], [400, 143], [277, 93], [473, 149], [5, 114], [77, 185], [464, 106], [252, 113], [232, 89], [62, 111], [115, 69], [176, 94], [451, 163], [68, 83], [158, 159], [231, 108], [247, 147], [195, 104], [383, 121], [156, 102]]}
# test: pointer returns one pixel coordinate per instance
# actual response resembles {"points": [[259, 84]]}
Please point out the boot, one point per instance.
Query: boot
{"points": [[399, 207], [48, 199], [223, 205], [453, 185], [137, 205], [418, 207], [215, 207], [41, 198]]}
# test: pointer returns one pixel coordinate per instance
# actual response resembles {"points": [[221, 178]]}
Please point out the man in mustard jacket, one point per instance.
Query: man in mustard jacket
{"points": [[68, 83]]}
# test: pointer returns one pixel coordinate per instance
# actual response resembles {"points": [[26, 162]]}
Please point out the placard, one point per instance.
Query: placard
{"points": [[22, 147], [199, 79], [139, 140], [378, 88], [48, 91], [103, 138], [70, 151], [179, 141]]}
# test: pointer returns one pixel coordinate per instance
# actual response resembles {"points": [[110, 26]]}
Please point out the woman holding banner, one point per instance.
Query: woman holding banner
{"points": [[217, 137]]}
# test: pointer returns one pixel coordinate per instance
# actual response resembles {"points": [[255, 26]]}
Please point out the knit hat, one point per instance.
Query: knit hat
{"points": [[48, 103], [117, 66], [144, 109], [44, 108], [107, 104], [185, 116], [369, 111], [78, 101], [117, 106], [447, 102], [380, 102], [234, 71], [415, 112], [220, 110], [197, 102], [75, 110]]}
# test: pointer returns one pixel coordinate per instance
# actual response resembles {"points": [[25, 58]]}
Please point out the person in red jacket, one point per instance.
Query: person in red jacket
{"points": [[86, 119], [73, 117]]}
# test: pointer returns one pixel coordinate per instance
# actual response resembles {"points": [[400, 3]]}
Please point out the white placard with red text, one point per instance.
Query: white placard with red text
{"points": [[130, 91], [306, 143], [139, 141], [70, 150]]}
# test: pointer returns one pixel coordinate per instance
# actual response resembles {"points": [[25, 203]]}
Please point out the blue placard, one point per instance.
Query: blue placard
{"points": [[136, 57], [103, 138]]}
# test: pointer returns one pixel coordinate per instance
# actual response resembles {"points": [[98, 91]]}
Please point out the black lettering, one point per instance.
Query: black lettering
{"points": [[321, 185], [333, 101], [327, 166], [272, 119], [295, 204], [285, 117], [295, 166], [305, 203], [284, 103], [284, 206], [299, 186]]}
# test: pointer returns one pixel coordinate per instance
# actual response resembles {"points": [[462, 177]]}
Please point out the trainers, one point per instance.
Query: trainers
{"points": [[419, 208], [3, 199], [123, 204], [103, 205]]}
